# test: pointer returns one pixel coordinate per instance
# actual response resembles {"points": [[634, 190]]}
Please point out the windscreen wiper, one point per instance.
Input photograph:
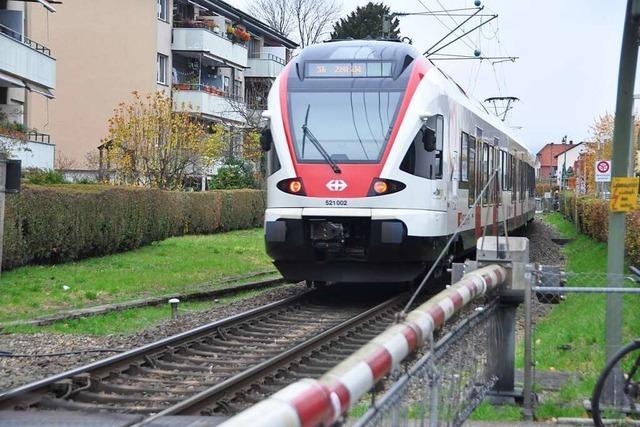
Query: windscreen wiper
{"points": [[307, 133]]}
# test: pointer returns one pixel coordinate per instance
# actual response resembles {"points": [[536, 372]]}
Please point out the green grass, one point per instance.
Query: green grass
{"points": [[487, 412], [175, 264], [571, 337], [127, 321]]}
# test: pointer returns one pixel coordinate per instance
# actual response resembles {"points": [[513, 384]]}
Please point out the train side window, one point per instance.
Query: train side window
{"points": [[464, 160], [514, 177], [420, 162], [485, 169], [273, 162], [471, 172], [503, 170], [479, 167], [434, 158]]}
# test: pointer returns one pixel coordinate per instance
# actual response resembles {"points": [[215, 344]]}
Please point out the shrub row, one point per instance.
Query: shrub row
{"points": [[68, 222], [593, 220]]}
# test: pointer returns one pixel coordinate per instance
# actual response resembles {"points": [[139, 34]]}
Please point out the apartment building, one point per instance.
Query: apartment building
{"points": [[547, 157], [215, 60], [27, 72]]}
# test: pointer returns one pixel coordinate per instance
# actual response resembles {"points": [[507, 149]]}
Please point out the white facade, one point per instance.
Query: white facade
{"points": [[25, 65], [33, 154], [568, 158]]}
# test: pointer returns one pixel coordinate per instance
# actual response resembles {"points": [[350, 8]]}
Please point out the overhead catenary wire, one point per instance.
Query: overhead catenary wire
{"points": [[446, 25]]}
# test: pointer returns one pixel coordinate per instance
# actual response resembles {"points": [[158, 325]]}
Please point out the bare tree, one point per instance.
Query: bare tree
{"points": [[275, 13], [306, 21], [313, 19]]}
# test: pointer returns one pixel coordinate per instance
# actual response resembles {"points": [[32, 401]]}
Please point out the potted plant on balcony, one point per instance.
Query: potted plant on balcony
{"points": [[12, 130], [241, 35]]}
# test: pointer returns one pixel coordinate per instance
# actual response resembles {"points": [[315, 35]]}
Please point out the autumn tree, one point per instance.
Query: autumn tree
{"points": [[152, 145], [305, 21], [365, 22], [601, 146]]}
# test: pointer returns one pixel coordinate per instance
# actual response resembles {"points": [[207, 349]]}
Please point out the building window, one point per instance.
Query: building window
{"points": [[237, 89], [161, 69], [162, 9]]}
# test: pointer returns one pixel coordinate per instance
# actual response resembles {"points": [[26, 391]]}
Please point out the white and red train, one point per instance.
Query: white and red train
{"points": [[374, 157]]}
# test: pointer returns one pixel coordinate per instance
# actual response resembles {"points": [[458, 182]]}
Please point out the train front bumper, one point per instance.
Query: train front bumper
{"points": [[369, 246]]}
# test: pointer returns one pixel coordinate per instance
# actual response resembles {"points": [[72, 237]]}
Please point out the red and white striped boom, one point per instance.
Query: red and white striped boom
{"points": [[310, 402]]}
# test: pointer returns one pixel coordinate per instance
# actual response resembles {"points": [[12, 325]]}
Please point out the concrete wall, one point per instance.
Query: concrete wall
{"points": [[104, 51]]}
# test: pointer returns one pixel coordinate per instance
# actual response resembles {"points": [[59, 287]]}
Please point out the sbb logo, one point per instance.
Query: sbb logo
{"points": [[336, 185]]}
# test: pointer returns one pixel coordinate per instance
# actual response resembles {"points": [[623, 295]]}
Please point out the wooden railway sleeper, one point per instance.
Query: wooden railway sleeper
{"points": [[91, 397], [48, 403]]}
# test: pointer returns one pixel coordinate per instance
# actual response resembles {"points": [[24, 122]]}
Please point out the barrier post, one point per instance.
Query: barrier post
{"points": [[512, 253]]}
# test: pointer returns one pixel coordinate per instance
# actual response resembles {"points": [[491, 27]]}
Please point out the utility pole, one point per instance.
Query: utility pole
{"points": [[620, 168]]}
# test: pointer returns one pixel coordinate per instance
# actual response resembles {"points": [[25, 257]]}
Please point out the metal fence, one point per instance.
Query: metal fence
{"points": [[567, 328], [445, 385]]}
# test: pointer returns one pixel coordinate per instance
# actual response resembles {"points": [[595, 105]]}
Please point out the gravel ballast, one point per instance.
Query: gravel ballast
{"points": [[16, 371]]}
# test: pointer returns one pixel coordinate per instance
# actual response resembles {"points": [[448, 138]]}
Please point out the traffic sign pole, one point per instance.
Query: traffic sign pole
{"points": [[620, 168]]}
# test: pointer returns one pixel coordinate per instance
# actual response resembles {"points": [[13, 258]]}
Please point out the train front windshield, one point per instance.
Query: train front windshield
{"points": [[351, 126]]}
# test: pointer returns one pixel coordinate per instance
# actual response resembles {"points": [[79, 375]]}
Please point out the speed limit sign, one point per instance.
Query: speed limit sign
{"points": [[603, 170]]}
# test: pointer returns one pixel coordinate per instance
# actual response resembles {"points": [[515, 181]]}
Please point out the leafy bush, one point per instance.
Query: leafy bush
{"points": [[233, 174], [43, 177], [593, 220], [68, 222]]}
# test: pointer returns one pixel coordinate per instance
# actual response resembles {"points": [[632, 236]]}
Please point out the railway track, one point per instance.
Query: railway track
{"points": [[219, 368]]}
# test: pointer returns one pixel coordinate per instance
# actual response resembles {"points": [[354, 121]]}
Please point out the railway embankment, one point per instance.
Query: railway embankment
{"points": [[568, 338]]}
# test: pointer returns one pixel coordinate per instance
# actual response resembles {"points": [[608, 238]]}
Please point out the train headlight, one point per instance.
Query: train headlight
{"points": [[292, 186], [381, 186]]}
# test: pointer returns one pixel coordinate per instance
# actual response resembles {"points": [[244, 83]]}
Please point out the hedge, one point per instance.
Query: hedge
{"points": [[593, 220], [50, 224]]}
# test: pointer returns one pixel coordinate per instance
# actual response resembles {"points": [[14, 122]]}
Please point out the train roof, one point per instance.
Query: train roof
{"points": [[362, 50]]}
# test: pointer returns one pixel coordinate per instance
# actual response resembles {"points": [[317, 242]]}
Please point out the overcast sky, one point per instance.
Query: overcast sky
{"points": [[566, 74]]}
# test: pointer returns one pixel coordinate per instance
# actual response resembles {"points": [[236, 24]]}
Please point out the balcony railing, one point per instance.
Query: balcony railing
{"points": [[24, 40], [268, 56], [210, 27], [208, 89], [36, 136]]}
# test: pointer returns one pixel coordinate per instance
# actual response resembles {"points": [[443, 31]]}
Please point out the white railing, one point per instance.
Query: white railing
{"points": [[205, 40], [264, 65], [197, 100], [24, 58]]}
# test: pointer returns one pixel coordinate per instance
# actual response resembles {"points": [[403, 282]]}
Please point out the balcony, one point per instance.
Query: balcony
{"points": [[206, 40], [26, 59], [264, 65], [33, 148], [207, 100]]}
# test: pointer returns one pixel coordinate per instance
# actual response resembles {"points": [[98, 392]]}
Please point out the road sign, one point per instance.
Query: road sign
{"points": [[624, 194], [603, 170]]}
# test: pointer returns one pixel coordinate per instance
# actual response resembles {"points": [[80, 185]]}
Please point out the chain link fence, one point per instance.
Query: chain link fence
{"points": [[445, 384], [573, 317]]}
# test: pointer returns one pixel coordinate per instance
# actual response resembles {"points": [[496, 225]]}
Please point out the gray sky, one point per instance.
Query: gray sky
{"points": [[567, 72]]}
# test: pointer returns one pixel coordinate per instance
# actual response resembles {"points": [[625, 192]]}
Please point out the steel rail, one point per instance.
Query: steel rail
{"points": [[11, 397], [207, 397]]}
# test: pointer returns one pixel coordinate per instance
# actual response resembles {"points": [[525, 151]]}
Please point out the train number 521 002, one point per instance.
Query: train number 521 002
{"points": [[335, 202]]}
